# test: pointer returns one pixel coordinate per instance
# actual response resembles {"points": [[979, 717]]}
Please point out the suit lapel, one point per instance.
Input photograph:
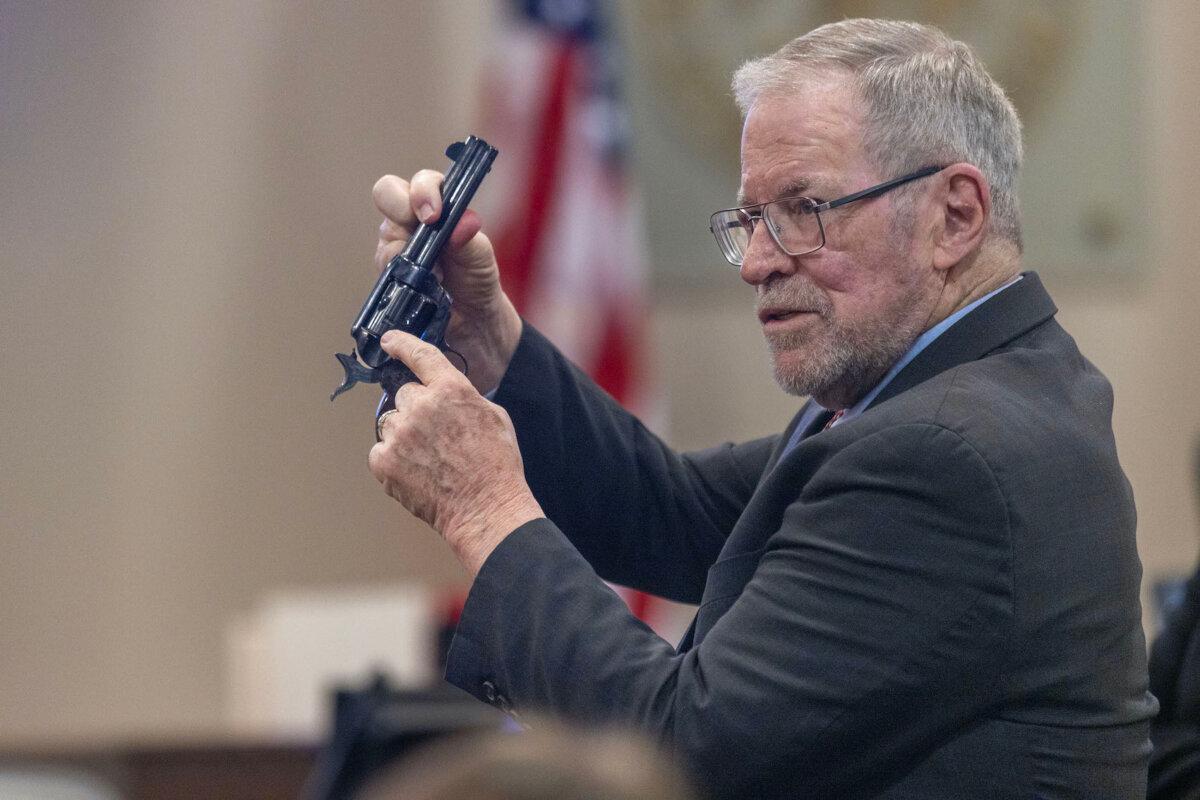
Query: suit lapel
{"points": [[812, 417]]}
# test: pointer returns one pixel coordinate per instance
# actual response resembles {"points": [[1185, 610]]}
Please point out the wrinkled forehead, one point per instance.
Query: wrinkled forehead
{"points": [[795, 140]]}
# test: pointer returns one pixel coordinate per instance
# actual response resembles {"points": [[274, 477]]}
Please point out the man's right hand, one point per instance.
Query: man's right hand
{"points": [[484, 325]]}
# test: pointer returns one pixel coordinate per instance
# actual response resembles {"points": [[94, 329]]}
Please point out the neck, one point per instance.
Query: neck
{"points": [[989, 268]]}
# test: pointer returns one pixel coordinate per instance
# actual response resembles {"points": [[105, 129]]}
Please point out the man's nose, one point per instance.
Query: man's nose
{"points": [[764, 257]]}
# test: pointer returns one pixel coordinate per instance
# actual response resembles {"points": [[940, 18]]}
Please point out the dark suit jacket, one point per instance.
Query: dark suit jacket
{"points": [[937, 599], [1175, 681]]}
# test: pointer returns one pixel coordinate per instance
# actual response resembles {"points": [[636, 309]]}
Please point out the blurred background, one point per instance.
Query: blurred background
{"points": [[186, 231]]}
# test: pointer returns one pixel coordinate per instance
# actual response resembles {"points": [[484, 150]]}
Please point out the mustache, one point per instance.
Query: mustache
{"points": [[793, 296]]}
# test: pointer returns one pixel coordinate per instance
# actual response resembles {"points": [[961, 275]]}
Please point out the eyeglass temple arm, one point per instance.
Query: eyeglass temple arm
{"points": [[875, 191]]}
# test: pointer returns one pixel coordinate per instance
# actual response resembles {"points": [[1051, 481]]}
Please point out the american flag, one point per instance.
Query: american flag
{"points": [[567, 224], [567, 228]]}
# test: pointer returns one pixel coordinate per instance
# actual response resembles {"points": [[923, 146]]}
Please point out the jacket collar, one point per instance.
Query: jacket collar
{"points": [[1011, 313]]}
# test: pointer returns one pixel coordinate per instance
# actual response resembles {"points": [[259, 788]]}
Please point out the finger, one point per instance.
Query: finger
{"points": [[404, 398], [386, 251], [468, 225], [391, 195], [426, 361], [426, 195], [391, 231], [381, 462], [385, 426], [476, 255], [392, 239]]}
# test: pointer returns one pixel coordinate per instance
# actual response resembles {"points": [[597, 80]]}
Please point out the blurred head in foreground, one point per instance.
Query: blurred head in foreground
{"points": [[549, 762]]}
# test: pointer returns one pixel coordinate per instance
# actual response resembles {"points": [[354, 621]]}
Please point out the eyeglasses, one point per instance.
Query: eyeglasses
{"points": [[794, 222]]}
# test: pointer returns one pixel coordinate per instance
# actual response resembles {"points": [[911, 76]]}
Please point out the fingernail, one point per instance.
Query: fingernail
{"points": [[425, 212], [388, 337]]}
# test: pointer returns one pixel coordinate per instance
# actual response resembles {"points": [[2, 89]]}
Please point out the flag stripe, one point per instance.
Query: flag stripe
{"points": [[517, 246]]}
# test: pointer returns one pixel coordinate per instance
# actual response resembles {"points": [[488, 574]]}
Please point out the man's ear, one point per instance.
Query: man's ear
{"points": [[963, 204]]}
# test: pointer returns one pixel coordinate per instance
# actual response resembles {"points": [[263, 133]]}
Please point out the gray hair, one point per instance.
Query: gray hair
{"points": [[548, 762], [928, 100]]}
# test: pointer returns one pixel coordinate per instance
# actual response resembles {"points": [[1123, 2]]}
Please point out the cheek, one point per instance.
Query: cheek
{"points": [[860, 294], [839, 276], [863, 275], [832, 271]]}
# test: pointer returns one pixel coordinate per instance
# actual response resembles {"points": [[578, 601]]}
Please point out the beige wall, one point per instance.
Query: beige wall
{"points": [[1148, 341], [186, 230]]}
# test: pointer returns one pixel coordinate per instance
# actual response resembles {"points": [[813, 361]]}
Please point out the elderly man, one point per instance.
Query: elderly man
{"points": [[926, 586]]}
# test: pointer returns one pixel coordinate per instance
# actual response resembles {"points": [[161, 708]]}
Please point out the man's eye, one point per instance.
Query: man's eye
{"points": [[796, 206]]}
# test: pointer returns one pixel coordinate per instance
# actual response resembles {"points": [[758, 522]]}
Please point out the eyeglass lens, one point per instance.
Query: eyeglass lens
{"points": [[791, 221]]}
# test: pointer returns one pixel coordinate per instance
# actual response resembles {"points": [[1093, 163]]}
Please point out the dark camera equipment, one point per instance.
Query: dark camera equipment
{"points": [[378, 724]]}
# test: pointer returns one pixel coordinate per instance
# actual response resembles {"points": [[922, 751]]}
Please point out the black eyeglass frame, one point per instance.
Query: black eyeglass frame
{"points": [[817, 208]]}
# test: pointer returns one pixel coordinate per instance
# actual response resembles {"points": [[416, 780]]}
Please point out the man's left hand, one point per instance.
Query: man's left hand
{"points": [[450, 456]]}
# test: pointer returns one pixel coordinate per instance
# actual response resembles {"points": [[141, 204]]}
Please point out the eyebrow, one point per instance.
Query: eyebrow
{"points": [[791, 189]]}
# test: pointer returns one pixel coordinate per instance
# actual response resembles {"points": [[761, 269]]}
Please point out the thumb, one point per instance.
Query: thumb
{"points": [[476, 255]]}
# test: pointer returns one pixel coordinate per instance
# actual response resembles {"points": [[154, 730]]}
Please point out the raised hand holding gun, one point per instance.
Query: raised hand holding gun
{"points": [[447, 454]]}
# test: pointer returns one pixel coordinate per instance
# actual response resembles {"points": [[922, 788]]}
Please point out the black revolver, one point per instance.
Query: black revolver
{"points": [[407, 295]]}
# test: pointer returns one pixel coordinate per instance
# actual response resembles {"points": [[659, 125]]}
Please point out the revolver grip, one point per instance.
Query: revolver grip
{"points": [[395, 375]]}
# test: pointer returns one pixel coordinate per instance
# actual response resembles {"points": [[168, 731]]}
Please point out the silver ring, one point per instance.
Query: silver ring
{"points": [[379, 424]]}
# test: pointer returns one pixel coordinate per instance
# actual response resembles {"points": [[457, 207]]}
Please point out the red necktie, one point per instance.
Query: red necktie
{"points": [[836, 416]]}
